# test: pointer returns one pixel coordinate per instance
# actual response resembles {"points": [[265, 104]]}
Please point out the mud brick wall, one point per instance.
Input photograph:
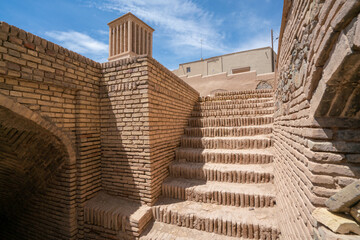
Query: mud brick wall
{"points": [[144, 108], [171, 101], [61, 88], [125, 142], [117, 124], [316, 128]]}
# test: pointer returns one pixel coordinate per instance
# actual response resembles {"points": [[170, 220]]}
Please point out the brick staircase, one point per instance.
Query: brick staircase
{"points": [[221, 184]]}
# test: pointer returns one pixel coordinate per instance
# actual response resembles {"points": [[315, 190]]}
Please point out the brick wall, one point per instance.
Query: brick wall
{"points": [[144, 108], [125, 142], [317, 126], [24, 147], [118, 123], [51, 83], [171, 101]]}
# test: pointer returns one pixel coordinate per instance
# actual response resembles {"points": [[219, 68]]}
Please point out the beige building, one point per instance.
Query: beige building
{"points": [[246, 70], [259, 60]]}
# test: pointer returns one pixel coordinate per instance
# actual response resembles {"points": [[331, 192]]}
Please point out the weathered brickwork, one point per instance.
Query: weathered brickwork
{"points": [[103, 113], [171, 102], [45, 81], [85, 147], [29, 155], [125, 129], [144, 108], [233, 198], [316, 128]]}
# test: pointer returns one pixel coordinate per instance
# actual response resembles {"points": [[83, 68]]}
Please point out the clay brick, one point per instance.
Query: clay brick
{"points": [[29, 45], [14, 60], [345, 198], [13, 73], [346, 13], [27, 101], [31, 95], [4, 91], [353, 158], [13, 53], [13, 66], [349, 135], [344, 181], [15, 94], [32, 53], [12, 81], [45, 68], [336, 146], [14, 47], [29, 84], [31, 64], [31, 58]]}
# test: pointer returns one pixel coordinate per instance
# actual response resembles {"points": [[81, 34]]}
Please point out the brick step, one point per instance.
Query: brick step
{"points": [[123, 216], [228, 131], [230, 121], [234, 156], [229, 194], [163, 231], [235, 106], [221, 172], [234, 112], [258, 223], [235, 101], [236, 97], [250, 142], [244, 92]]}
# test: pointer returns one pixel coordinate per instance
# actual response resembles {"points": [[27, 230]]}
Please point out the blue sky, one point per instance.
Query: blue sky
{"points": [[224, 26]]}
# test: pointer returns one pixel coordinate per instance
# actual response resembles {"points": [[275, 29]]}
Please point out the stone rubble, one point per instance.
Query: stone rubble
{"points": [[355, 212], [344, 199], [337, 222]]}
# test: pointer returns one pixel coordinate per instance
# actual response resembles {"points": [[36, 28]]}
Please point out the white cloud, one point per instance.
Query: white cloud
{"points": [[80, 43], [102, 32], [181, 22]]}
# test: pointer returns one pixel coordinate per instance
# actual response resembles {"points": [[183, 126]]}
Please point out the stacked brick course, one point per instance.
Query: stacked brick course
{"points": [[171, 101], [93, 133], [316, 124], [125, 129], [63, 88], [220, 174], [144, 110]]}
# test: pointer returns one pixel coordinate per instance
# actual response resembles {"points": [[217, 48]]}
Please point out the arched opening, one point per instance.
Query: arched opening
{"points": [[264, 85], [213, 92], [34, 190]]}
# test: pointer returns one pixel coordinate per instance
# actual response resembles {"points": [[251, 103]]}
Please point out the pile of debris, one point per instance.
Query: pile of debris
{"points": [[342, 214]]}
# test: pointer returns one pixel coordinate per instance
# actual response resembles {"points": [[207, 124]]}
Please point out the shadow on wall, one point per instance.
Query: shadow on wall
{"points": [[124, 146], [123, 166], [32, 161], [317, 120], [336, 106]]}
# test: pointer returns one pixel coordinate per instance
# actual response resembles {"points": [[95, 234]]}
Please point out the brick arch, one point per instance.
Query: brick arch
{"points": [[34, 155], [264, 85], [219, 90], [28, 114]]}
